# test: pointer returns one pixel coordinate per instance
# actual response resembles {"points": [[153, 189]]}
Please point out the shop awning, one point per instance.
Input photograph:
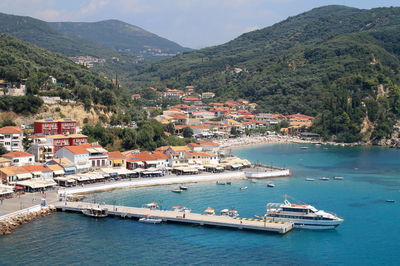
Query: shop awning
{"points": [[41, 183], [24, 176]]}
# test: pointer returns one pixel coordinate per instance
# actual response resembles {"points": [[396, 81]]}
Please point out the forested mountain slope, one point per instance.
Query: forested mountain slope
{"points": [[338, 63]]}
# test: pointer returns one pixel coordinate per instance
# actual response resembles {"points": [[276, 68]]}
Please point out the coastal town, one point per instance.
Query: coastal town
{"points": [[60, 155]]}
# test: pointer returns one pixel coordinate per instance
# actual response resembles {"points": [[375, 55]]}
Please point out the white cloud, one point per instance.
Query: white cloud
{"points": [[93, 6]]}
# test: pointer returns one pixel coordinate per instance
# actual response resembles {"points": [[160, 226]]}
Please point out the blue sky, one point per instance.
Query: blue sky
{"points": [[191, 23]]}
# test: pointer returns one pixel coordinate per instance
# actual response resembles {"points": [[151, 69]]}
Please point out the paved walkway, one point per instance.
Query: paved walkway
{"points": [[27, 200]]}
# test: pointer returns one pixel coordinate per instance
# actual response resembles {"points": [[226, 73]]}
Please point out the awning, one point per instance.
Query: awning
{"points": [[58, 172], [24, 176], [41, 183]]}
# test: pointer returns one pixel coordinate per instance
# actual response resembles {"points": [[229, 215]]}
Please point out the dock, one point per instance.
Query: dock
{"points": [[180, 217]]}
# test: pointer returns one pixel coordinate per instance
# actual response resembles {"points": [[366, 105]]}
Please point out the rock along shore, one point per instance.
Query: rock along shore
{"points": [[14, 220]]}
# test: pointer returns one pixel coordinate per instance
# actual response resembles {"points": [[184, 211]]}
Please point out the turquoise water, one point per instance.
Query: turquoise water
{"points": [[370, 234]]}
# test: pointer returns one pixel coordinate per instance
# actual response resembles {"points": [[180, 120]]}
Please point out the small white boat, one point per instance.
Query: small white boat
{"points": [[220, 183], [243, 188], [183, 188], [270, 185], [181, 209], [177, 190], [304, 148], [209, 211], [96, 212], [324, 178], [338, 177], [310, 179], [152, 206], [229, 213], [150, 220]]}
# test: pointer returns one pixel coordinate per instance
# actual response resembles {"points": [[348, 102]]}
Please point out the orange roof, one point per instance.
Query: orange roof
{"points": [[163, 148], [191, 98], [194, 144], [116, 155], [147, 156], [178, 116], [173, 110], [198, 154], [300, 116], [77, 149], [208, 143], [181, 106], [216, 104], [36, 168], [180, 126], [17, 154], [10, 130], [13, 170]]}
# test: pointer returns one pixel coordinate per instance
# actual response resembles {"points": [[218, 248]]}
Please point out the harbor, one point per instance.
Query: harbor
{"points": [[179, 217]]}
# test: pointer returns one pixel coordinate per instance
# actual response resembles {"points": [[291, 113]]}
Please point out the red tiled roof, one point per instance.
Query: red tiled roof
{"points": [[77, 149], [208, 143], [191, 98], [36, 168], [147, 156], [194, 144], [198, 154], [178, 116], [17, 154], [10, 130], [299, 116], [116, 155], [163, 148]]}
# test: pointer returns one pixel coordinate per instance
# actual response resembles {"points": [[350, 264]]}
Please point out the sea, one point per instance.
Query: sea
{"points": [[369, 235]]}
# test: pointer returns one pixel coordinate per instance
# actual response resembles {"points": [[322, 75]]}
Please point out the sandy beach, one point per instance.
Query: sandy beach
{"points": [[261, 140]]}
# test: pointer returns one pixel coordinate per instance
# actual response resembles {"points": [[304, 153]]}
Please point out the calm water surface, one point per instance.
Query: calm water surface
{"points": [[370, 234]]}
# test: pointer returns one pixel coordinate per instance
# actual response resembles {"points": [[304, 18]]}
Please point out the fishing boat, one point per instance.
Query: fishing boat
{"points": [[243, 188], [209, 211], [183, 188], [270, 185], [220, 183], [229, 183], [303, 216], [229, 213], [96, 212], [324, 178], [150, 219], [304, 148], [181, 209], [390, 200], [152, 206], [177, 190], [338, 177], [310, 179]]}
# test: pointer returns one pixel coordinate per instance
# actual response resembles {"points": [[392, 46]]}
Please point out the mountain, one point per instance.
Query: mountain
{"points": [[20, 60], [338, 63], [121, 36]]}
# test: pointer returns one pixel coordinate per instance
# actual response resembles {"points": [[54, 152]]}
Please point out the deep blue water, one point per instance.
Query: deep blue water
{"points": [[370, 234]]}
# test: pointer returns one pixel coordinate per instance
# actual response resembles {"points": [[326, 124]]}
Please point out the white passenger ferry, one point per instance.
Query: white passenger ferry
{"points": [[303, 216]]}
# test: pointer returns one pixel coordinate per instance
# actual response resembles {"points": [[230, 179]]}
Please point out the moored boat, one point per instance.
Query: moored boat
{"points": [[243, 188], [338, 177], [303, 216], [310, 179], [270, 185], [152, 206], [150, 219], [183, 188], [220, 183], [324, 178], [96, 212], [209, 211], [177, 190], [229, 213], [390, 200]]}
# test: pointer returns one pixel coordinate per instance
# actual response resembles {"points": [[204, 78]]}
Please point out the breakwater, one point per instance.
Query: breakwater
{"points": [[11, 221]]}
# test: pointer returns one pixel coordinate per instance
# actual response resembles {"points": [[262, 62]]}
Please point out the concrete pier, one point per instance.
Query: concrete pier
{"points": [[180, 217]]}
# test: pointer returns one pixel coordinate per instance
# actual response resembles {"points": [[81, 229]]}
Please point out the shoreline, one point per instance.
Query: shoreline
{"points": [[149, 182]]}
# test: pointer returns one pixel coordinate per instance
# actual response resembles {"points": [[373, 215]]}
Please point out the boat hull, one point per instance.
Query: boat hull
{"points": [[309, 224]]}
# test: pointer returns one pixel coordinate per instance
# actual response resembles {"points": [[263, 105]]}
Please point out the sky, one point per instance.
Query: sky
{"points": [[191, 23]]}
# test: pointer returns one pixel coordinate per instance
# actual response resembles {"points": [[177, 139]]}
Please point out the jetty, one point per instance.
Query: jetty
{"points": [[180, 217]]}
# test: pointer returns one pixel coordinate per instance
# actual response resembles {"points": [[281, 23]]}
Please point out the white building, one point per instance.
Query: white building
{"points": [[20, 158], [11, 138], [78, 155]]}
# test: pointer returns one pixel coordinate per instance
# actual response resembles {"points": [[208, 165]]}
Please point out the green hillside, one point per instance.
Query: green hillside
{"points": [[338, 63], [121, 36], [20, 60]]}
